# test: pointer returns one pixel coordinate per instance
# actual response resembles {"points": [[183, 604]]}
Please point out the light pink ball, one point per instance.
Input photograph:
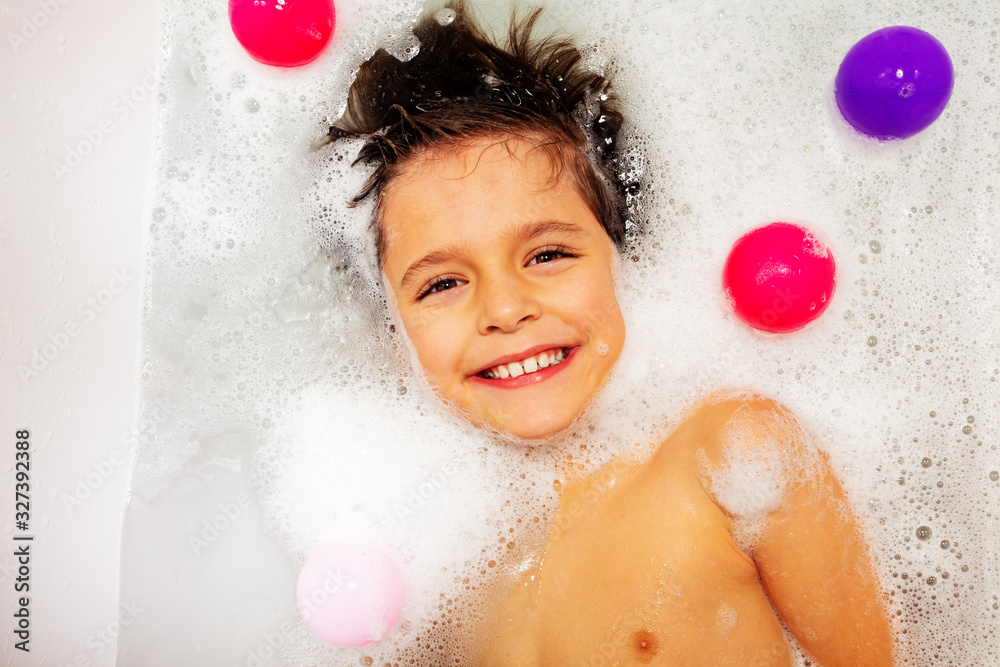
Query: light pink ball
{"points": [[350, 594]]}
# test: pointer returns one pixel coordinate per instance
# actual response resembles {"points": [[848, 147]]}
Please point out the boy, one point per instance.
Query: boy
{"points": [[498, 222]]}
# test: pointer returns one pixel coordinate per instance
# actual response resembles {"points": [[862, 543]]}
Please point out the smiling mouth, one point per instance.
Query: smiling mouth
{"points": [[526, 366]]}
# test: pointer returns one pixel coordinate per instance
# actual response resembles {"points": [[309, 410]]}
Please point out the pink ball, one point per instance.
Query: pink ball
{"points": [[350, 594], [779, 278], [286, 33]]}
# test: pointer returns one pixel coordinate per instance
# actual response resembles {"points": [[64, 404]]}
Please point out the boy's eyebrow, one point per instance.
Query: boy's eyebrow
{"points": [[432, 259], [523, 232], [532, 230]]}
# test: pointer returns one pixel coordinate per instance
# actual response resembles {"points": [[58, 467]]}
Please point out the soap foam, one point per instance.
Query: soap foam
{"points": [[762, 459], [264, 316]]}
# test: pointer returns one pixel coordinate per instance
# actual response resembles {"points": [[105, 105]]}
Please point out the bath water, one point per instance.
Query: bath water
{"points": [[280, 408]]}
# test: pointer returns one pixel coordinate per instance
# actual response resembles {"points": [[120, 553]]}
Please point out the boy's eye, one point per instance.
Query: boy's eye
{"points": [[440, 285], [548, 254]]}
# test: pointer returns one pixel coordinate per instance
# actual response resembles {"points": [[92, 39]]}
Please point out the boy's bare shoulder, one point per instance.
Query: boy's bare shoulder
{"points": [[735, 428], [757, 418]]}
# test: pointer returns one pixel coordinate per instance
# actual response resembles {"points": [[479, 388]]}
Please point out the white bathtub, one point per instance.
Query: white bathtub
{"points": [[77, 77]]}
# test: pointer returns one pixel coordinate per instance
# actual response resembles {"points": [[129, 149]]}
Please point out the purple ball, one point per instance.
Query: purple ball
{"points": [[894, 82]]}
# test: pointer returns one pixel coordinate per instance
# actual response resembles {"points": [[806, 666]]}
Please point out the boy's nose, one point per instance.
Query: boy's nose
{"points": [[505, 305]]}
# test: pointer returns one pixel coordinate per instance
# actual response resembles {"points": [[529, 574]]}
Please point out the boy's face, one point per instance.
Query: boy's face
{"points": [[502, 277]]}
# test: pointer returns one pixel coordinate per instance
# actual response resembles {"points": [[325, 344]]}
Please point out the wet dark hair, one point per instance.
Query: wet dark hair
{"points": [[462, 86]]}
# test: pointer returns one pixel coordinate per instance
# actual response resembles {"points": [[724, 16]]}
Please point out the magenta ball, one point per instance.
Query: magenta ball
{"points": [[779, 278], [894, 82], [350, 594], [284, 33]]}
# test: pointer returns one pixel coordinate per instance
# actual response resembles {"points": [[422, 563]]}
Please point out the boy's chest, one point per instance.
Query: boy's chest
{"points": [[640, 569]]}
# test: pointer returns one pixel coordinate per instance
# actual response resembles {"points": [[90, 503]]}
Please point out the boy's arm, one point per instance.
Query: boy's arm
{"points": [[812, 555], [813, 561]]}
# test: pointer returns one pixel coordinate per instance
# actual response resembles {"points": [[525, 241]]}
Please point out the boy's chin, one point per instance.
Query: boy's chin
{"points": [[530, 432]]}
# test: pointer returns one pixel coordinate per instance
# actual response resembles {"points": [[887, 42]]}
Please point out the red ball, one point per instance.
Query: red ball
{"points": [[779, 278], [286, 33]]}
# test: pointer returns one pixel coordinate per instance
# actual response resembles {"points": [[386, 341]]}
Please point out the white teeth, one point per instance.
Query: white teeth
{"points": [[529, 365]]}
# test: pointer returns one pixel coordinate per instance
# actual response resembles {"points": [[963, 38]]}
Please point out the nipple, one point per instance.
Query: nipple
{"points": [[644, 645]]}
